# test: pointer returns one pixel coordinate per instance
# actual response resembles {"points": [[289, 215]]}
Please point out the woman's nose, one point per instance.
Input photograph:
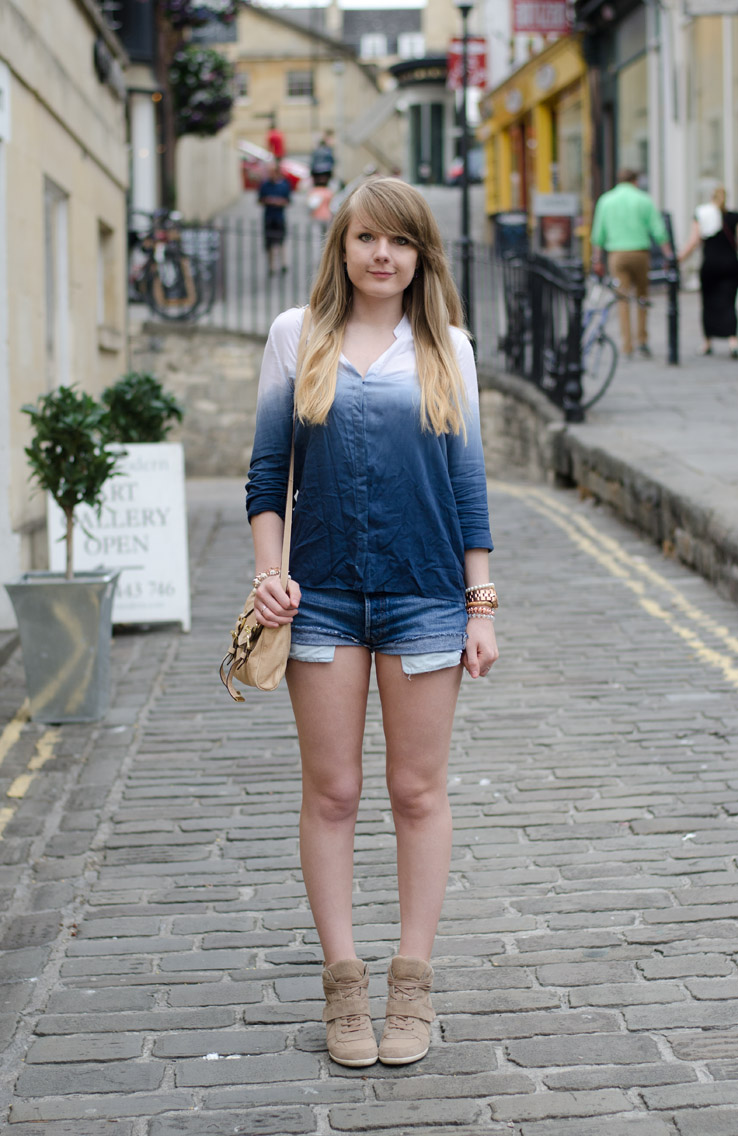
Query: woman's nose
{"points": [[382, 249]]}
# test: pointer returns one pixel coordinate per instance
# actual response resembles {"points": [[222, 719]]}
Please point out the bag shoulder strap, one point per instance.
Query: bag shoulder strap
{"points": [[287, 538]]}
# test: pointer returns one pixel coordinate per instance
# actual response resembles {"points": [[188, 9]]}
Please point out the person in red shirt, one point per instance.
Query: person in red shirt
{"points": [[275, 141]]}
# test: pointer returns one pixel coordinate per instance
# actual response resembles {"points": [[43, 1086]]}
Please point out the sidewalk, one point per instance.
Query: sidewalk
{"points": [[662, 446], [160, 972]]}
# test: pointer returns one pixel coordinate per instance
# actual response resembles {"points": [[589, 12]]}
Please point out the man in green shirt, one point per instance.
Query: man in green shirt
{"points": [[625, 221]]}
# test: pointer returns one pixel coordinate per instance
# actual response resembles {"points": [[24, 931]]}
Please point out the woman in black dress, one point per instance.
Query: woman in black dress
{"points": [[715, 228]]}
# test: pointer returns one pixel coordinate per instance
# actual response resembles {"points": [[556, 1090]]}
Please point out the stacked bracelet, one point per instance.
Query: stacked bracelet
{"points": [[481, 593], [261, 576], [480, 615]]}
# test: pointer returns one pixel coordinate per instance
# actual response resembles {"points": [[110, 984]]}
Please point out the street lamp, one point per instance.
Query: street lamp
{"points": [[465, 7]]}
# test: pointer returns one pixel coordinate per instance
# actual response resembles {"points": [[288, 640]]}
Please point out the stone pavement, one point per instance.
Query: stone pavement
{"points": [[160, 974]]}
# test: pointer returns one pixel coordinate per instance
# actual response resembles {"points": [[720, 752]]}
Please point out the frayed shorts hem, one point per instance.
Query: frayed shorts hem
{"points": [[421, 663]]}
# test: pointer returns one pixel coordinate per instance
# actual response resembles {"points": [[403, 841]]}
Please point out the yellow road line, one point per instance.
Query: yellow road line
{"points": [[13, 731], [44, 750], [678, 599], [5, 816], [618, 563], [20, 785]]}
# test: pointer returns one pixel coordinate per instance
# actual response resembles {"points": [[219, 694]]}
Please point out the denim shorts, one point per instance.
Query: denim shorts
{"points": [[428, 634]]}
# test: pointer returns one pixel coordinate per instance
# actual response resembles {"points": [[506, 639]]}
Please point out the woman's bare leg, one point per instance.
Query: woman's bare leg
{"points": [[418, 717], [329, 703]]}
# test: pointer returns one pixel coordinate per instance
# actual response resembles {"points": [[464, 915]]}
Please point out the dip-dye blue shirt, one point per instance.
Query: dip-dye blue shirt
{"points": [[382, 505]]}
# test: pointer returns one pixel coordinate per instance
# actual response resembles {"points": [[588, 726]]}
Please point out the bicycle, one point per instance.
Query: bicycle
{"points": [[599, 352], [175, 284]]}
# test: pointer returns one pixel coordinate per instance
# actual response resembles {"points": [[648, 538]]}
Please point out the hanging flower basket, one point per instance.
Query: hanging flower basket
{"points": [[202, 85], [197, 13]]}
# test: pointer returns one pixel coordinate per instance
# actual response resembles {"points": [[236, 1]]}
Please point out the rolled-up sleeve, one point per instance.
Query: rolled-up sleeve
{"points": [[466, 458], [266, 488]]}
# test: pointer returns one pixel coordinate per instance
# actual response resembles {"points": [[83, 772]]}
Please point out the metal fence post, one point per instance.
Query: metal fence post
{"points": [[572, 392], [672, 311]]}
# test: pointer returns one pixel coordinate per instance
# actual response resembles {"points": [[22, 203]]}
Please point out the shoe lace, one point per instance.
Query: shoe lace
{"points": [[408, 989], [351, 1023]]}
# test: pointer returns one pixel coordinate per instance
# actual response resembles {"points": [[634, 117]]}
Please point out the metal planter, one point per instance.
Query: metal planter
{"points": [[65, 631]]}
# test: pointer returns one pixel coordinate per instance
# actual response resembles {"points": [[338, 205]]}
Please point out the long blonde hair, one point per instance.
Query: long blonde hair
{"points": [[430, 302]]}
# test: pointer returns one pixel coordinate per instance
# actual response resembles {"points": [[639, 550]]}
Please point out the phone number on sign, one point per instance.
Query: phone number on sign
{"points": [[145, 589]]}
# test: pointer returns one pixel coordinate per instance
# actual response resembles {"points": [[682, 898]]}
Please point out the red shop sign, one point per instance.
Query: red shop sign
{"points": [[476, 55]]}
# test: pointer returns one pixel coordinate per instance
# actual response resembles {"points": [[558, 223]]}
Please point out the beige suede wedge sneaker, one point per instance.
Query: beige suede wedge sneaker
{"points": [[349, 1034], [406, 1035]]}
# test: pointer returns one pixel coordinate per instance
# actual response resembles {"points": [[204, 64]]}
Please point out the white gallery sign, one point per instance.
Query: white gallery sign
{"points": [[141, 530]]}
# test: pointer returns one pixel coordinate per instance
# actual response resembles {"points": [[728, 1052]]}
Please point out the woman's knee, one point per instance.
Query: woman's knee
{"points": [[414, 797], [333, 800]]}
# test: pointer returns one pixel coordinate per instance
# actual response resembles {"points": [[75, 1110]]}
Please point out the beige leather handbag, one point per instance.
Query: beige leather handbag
{"points": [[258, 655]]}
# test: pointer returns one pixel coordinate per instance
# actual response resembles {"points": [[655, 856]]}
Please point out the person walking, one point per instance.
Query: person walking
{"points": [[322, 159], [714, 227], [625, 222], [319, 203], [389, 557], [274, 195]]}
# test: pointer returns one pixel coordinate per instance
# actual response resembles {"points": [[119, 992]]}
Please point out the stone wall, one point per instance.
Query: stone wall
{"points": [[214, 374]]}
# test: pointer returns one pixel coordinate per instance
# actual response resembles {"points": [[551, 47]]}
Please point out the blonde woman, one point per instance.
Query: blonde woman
{"points": [[714, 227], [389, 558]]}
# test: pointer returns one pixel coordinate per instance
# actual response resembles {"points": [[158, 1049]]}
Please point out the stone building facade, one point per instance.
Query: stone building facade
{"points": [[63, 176]]}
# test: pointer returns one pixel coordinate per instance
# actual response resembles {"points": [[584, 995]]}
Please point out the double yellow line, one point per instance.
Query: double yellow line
{"points": [[44, 753], [683, 618]]}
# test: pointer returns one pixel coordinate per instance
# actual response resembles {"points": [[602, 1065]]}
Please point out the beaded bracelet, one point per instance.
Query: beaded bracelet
{"points": [[479, 615], [261, 576]]}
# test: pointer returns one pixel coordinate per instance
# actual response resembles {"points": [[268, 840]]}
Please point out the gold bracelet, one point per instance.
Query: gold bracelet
{"points": [[484, 593]]}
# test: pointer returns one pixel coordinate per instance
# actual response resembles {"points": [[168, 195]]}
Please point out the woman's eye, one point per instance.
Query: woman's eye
{"points": [[365, 236], [401, 241]]}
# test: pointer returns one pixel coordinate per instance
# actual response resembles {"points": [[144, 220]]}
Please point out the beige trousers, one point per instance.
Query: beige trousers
{"points": [[631, 270]]}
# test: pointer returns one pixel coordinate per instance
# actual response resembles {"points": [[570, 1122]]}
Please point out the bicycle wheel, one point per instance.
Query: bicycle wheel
{"points": [[172, 291], [599, 360]]}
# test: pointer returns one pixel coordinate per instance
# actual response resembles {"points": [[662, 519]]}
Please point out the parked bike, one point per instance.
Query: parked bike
{"points": [[172, 269]]}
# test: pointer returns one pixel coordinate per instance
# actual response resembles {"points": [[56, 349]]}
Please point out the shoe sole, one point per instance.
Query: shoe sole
{"points": [[354, 1064], [403, 1060]]}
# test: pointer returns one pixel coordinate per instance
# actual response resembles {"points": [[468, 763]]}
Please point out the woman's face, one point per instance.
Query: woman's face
{"points": [[379, 265]]}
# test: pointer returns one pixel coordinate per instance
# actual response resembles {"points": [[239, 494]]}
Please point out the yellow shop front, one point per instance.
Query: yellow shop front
{"points": [[536, 131]]}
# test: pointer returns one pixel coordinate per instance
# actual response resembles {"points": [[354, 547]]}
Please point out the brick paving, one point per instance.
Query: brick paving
{"points": [[160, 974]]}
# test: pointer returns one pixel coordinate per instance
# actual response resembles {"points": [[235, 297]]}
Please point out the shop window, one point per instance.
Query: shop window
{"points": [[707, 104], [56, 284], [632, 118], [299, 84], [569, 172], [241, 86], [106, 276]]}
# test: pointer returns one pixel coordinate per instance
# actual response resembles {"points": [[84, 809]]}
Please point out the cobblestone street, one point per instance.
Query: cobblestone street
{"points": [[160, 969]]}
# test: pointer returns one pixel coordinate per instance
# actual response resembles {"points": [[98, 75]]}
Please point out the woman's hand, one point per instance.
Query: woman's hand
{"points": [[481, 647], [273, 606]]}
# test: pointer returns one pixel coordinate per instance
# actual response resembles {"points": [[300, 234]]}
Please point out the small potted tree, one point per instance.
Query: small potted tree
{"points": [[64, 619]]}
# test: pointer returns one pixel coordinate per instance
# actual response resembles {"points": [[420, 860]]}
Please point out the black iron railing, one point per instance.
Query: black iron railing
{"points": [[542, 335]]}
